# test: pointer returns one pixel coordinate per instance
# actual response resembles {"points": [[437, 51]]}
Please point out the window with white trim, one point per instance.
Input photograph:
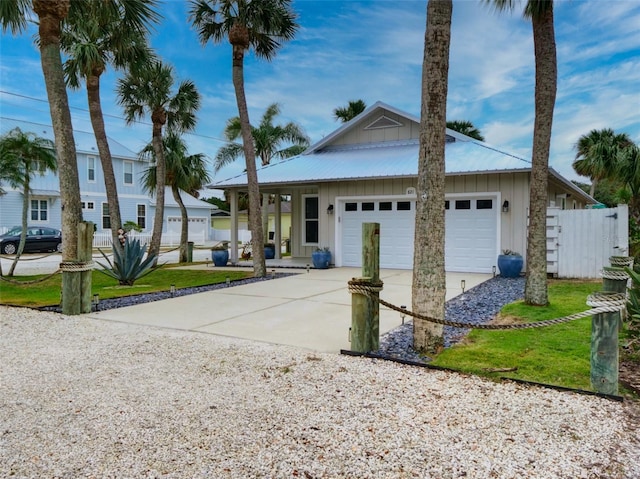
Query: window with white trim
{"points": [[88, 205], [106, 217], [311, 219], [39, 210], [128, 172], [91, 169], [142, 216]]}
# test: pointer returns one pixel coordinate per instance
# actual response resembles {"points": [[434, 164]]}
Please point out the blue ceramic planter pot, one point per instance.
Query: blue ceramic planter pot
{"points": [[510, 266], [269, 252], [321, 259], [219, 257]]}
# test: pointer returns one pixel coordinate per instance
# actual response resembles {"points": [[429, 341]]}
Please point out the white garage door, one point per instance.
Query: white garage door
{"points": [[470, 239], [197, 228]]}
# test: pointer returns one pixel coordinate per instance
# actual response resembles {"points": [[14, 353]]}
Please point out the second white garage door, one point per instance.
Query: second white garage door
{"points": [[471, 238]]}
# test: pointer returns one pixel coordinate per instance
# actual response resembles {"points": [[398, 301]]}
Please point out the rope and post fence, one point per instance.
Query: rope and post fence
{"points": [[605, 313]]}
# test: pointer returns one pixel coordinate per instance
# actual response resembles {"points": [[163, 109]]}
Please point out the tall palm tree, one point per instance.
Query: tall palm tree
{"points": [[146, 90], [466, 128], [596, 154], [429, 287], [270, 141], [544, 41], [183, 172], [25, 155], [628, 172], [14, 15], [102, 34], [347, 113], [261, 25]]}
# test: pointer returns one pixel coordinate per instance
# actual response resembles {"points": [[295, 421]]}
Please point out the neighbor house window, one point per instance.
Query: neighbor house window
{"points": [[106, 218], [128, 172], [88, 205], [142, 216], [39, 210], [91, 168], [311, 220]]}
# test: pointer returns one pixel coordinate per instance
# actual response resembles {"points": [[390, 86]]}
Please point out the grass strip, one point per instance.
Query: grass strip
{"points": [[47, 293], [557, 355]]}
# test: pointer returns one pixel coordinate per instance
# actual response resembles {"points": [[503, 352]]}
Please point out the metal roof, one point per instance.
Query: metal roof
{"points": [[325, 161], [188, 200], [375, 160], [85, 141]]}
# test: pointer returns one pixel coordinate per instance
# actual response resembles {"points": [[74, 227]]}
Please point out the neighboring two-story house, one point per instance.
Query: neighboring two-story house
{"points": [[135, 203]]}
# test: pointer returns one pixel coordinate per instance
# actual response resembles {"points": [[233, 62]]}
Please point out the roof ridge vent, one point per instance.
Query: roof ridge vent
{"points": [[383, 121]]}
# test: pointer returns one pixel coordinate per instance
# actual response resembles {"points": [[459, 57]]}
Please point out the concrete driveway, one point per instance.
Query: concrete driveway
{"points": [[310, 310]]}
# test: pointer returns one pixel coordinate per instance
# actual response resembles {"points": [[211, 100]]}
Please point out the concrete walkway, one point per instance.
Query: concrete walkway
{"points": [[309, 309]]}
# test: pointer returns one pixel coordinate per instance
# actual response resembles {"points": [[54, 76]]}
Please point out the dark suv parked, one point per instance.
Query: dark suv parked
{"points": [[38, 239]]}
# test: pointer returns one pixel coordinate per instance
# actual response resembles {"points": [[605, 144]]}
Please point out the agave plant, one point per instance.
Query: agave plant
{"points": [[129, 265]]}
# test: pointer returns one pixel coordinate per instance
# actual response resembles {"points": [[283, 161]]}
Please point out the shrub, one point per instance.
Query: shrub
{"points": [[129, 266], [633, 311]]}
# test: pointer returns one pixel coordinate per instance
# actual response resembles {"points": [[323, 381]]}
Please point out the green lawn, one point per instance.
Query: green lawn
{"points": [[47, 293], [558, 355]]}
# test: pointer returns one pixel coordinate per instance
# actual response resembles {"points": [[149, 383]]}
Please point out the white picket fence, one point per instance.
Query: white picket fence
{"points": [[580, 242], [103, 239]]}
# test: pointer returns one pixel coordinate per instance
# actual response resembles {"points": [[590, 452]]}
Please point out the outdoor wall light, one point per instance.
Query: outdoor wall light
{"points": [[505, 206], [330, 210]]}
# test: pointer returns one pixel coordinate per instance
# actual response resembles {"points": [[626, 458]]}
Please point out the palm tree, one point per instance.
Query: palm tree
{"points": [[23, 155], [270, 141], [353, 109], [103, 33], [429, 287], [184, 172], [596, 154], [628, 172], [466, 128], [544, 41], [146, 90], [261, 25], [14, 15]]}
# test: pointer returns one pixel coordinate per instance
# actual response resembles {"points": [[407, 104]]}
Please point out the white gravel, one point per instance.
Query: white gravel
{"points": [[85, 398]]}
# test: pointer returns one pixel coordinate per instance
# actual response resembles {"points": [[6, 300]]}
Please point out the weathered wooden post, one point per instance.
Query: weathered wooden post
{"points": [[605, 328], [85, 255], [365, 310], [76, 275]]}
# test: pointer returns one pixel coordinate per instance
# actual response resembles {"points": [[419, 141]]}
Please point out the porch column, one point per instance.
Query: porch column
{"points": [[233, 245], [277, 236]]}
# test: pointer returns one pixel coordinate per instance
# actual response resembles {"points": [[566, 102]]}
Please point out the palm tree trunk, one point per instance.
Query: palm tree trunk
{"points": [[161, 174], [255, 216], [25, 209], [50, 14], [97, 122], [184, 229], [429, 286], [545, 97], [592, 190]]}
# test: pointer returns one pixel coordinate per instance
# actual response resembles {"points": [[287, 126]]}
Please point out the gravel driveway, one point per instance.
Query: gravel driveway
{"points": [[85, 398]]}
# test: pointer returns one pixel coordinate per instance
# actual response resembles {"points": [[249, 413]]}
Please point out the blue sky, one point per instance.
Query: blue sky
{"points": [[347, 50]]}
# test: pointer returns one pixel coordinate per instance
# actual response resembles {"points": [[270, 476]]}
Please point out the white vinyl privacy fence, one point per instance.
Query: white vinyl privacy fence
{"points": [[580, 242]]}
